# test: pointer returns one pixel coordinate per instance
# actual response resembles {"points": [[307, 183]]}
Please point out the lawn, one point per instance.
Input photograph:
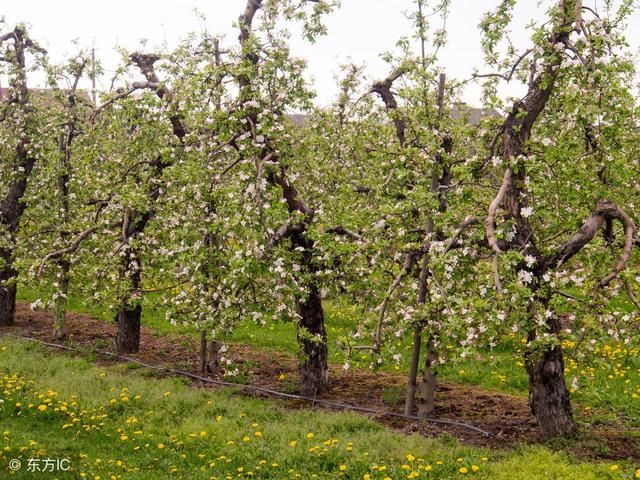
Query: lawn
{"points": [[113, 422]]}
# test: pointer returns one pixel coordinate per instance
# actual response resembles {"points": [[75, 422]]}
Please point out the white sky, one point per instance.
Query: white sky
{"points": [[359, 31]]}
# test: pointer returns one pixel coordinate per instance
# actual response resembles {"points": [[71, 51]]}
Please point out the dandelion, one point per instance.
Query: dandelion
{"points": [[614, 468], [463, 470], [475, 468], [342, 468], [293, 443], [161, 446], [410, 458], [42, 408], [310, 435]]}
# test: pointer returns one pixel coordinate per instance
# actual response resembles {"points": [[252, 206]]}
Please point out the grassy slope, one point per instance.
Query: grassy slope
{"points": [[125, 415]]}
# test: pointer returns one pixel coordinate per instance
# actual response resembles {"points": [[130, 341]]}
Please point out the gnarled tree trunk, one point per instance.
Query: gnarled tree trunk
{"points": [[548, 395]]}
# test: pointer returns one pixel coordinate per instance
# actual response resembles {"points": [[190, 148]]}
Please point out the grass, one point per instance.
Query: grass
{"points": [[608, 376], [121, 423]]}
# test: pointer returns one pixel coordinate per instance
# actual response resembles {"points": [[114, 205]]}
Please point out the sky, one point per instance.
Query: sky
{"points": [[357, 32]]}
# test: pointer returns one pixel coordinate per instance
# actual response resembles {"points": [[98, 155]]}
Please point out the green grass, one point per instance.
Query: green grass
{"points": [[608, 380], [124, 415]]}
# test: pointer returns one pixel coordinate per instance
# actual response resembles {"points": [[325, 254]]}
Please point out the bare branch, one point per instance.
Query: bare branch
{"points": [[340, 230], [409, 262], [122, 94], [285, 230], [383, 88], [463, 226], [604, 210], [629, 231], [491, 216], [508, 76], [496, 274], [71, 248]]}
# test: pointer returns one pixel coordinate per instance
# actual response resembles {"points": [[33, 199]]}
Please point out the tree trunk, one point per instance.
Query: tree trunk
{"points": [[548, 395], [128, 336], [7, 289], [413, 371], [426, 402], [203, 352], [213, 357], [312, 336], [60, 319]]}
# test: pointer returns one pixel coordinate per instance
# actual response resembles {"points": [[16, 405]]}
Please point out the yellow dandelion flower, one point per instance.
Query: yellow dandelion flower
{"points": [[342, 468], [463, 470]]}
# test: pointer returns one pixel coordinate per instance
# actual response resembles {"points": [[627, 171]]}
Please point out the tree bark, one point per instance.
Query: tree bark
{"points": [[7, 289], [413, 371], [128, 336], [426, 401], [12, 206], [60, 319], [548, 395], [312, 336], [203, 352], [213, 357]]}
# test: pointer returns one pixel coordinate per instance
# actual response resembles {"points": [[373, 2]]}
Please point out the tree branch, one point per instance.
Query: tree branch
{"points": [[493, 207], [604, 210], [71, 248]]}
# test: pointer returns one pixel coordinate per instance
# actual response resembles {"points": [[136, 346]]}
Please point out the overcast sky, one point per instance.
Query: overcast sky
{"points": [[359, 31]]}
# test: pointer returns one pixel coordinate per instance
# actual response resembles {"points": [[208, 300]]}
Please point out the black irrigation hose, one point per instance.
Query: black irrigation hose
{"points": [[313, 400]]}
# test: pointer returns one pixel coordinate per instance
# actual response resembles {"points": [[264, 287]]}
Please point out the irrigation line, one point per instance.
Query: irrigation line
{"points": [[253, 388]]}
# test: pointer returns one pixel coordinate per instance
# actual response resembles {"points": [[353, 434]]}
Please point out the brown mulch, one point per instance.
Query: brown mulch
{"points": [[506, 417]]}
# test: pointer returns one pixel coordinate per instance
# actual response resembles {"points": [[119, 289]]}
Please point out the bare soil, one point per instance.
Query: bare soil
{"points": [[506, 417]]}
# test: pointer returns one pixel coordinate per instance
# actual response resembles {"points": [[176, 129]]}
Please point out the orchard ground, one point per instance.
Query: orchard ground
{"points": [[116, 420]]}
